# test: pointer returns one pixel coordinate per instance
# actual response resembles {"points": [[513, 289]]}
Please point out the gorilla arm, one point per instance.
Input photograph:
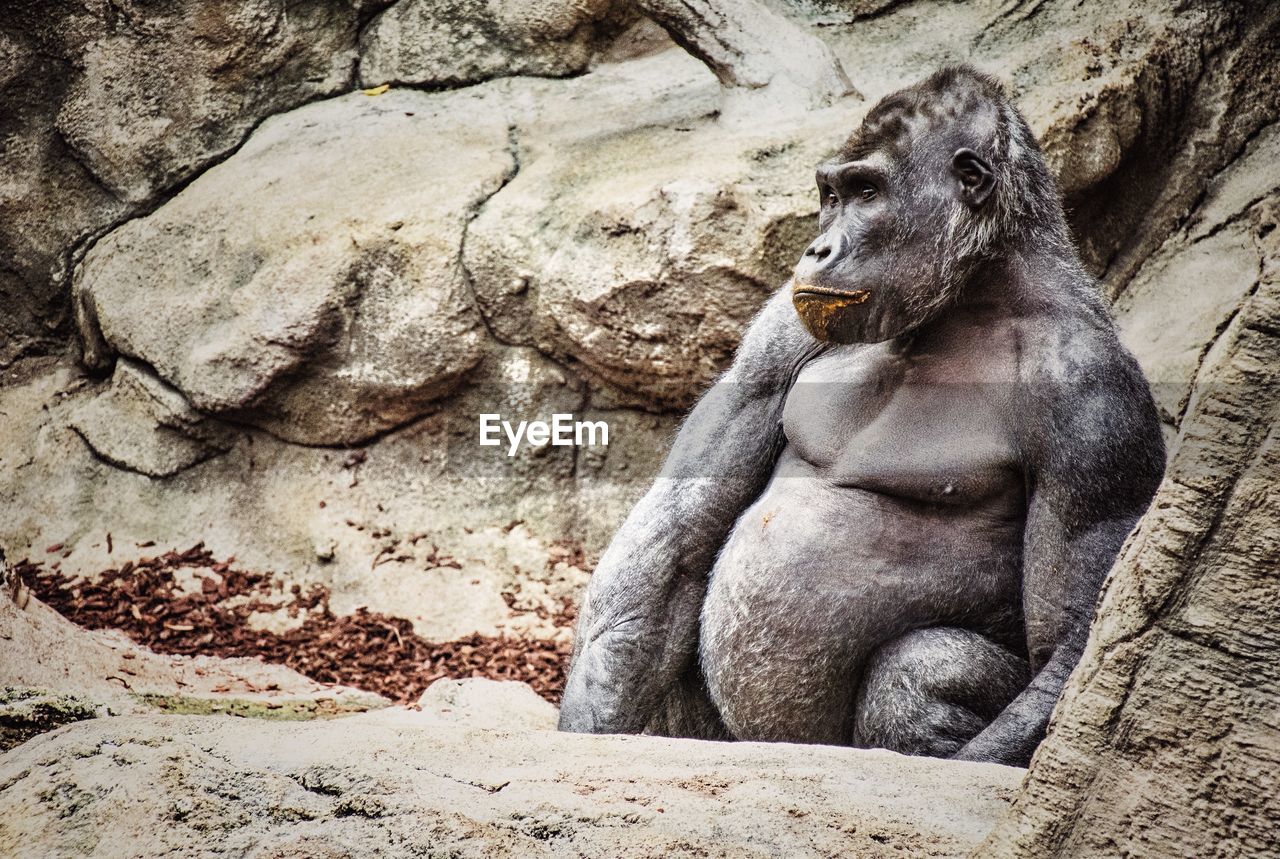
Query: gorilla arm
{"points": [[638, 625], [1092, 476]]}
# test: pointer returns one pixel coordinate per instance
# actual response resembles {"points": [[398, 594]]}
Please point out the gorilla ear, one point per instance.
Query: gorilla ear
{"points": [[976, 179]]}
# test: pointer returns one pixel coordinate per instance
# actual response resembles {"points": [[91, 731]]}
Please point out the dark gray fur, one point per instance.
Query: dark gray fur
{"points": [[888, 522]]}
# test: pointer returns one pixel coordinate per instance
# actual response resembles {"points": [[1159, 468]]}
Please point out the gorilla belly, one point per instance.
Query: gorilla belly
{"points": [[815, 576]]}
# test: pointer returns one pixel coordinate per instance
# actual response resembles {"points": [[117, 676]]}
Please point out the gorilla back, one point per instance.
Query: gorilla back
{"points": [[887, 524]]}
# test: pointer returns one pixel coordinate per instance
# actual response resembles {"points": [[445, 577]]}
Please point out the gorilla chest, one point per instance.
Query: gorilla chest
{"points": [[932, 430], [898, 503]]}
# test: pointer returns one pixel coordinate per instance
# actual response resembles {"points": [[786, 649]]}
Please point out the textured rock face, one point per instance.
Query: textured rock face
{"points": [[1166, 741], [653, 249], [311, 284], [141, 424], [249, 60], [383, 785], [104, 106], [1183, 297], [458, 42]]}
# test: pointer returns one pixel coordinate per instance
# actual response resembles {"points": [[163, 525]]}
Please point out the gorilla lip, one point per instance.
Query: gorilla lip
{"points": [[807, 290], [826, 312]]}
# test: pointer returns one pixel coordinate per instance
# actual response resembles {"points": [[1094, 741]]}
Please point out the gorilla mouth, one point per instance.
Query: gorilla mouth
{"points": [[825, 312], [843, 296]]}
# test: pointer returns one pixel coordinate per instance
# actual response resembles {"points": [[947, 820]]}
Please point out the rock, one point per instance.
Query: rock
{"points": [[447, 43], [141, 424], [44, 657], [107, 106], [1184, 296], [1127, 133], [750, 46], [1165, 741], [206, 786], [237, 64], [503, 705], [311, 284], [1168, 318], [654, 248], [27, 713]]}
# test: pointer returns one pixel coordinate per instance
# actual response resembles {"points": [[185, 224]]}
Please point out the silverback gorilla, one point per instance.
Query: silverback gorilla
{"points": [[887, 524]]}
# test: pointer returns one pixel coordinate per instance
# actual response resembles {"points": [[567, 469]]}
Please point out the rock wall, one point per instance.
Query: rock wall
{"points": [[105, 107], [1166, 740]]}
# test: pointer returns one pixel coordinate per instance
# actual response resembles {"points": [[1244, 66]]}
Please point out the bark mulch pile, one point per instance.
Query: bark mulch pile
{"points": [[365, 650]]}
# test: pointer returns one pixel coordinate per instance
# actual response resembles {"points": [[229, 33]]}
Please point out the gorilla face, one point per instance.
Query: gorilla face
{"points": [[886, 260]]}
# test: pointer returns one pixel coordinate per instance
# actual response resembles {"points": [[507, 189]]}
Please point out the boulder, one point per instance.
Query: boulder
{"points": [[108, 106], [139, 132], [141, 424], [1165, 741], [446, 43], [311, 284], [369, 786], [654, 247]]}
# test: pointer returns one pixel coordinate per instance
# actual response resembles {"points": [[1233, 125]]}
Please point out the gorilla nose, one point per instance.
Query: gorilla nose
{"points": [[820, 249], [825, 251]]}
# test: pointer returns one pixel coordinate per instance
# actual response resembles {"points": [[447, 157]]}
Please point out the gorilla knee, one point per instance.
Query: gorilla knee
{"points": [[932, 690]]}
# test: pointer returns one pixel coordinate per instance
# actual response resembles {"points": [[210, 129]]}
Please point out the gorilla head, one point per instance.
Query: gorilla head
{"points": [[938, 178]]}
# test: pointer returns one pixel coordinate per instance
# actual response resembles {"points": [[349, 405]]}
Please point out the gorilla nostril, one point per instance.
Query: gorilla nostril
{"points": [[819, 250]]}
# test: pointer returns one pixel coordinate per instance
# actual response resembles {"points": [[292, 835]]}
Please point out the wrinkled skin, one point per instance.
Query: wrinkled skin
{"points": [[888, 522]]}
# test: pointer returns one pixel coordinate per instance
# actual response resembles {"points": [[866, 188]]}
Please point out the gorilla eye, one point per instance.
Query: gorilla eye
{"points": [[867, 192], [829, 198]]}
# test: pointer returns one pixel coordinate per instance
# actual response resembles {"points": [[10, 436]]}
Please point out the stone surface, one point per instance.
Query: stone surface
{"points": [[1166, 741], [654, 251], [250, 59], [445, 43], [1185, 295], [363, 786], [106, 106], [492, 704], [311, 283], [45, 657], [751, 46], [141, 424]]}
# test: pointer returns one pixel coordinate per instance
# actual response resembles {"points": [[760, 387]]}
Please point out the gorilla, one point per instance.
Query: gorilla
{"points": [[887, 524]]}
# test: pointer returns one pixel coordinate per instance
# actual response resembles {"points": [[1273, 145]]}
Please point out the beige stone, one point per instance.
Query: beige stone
{"points": [[369, 786]]}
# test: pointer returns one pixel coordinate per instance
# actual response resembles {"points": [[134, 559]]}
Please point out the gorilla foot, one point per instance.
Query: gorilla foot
{"points": [[932, 690]]}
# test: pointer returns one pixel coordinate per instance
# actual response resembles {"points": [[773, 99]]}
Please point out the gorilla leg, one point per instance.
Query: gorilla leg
{"points": [[688, 711], [932, 690]]}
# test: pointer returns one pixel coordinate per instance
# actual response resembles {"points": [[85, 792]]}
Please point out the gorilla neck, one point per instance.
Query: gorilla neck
{"points": [[1017, 284]]}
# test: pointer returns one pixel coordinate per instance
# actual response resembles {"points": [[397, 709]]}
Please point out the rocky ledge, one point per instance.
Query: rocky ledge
{"points": [[398, 782]]}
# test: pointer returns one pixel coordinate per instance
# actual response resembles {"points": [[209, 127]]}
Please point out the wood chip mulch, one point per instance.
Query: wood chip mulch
{"points": [[366, 650]]}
